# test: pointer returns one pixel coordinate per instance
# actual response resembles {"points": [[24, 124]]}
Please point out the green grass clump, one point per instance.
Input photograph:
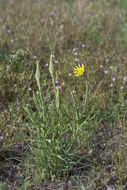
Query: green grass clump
{"points": [[59, 134]]}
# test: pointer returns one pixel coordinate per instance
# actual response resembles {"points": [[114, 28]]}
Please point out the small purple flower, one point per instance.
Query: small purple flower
{"points": [[34, 57], [55, 61], [113, 79], [74, 49], [14, 56], [105, 71], [75, 53], [12, 41], [69, 74], [63, 83], [76, 59], [18, 103], [37, 92], [56, 81], [1, 137], [73, 91], [27, 105], [30, 89], [52, 13], [9, 31], [124, 79], [15, 85], [111, 85], [83, 45], [122, 87], [53, 55], [46, 64], [110, 67], [101, 66], [85, 62], [50, 105], [106, 60], [58, 87]]}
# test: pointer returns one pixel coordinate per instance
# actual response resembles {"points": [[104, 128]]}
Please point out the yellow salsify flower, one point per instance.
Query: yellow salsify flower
{"points": [[79, 70]]}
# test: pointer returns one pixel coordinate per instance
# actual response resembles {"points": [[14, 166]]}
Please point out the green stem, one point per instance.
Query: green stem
{"points": [[86, 92], [42, 103]]}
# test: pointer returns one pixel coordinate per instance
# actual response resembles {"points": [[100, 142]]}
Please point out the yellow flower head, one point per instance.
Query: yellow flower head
{"points": [[79, 70]]}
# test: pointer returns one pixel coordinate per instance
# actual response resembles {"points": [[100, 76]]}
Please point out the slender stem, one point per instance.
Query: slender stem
{"points": [[86, 92], [42, 103]]}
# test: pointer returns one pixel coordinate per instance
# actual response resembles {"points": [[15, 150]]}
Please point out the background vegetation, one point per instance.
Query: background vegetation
{"points": [[76, 31]]}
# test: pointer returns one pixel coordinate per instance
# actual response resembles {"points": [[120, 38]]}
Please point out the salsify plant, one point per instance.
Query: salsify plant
{"points": [[79, 71], [58, 134]]}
